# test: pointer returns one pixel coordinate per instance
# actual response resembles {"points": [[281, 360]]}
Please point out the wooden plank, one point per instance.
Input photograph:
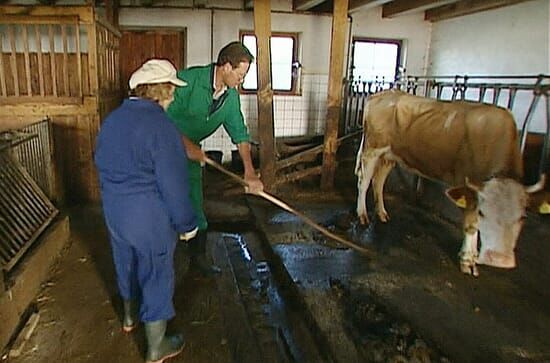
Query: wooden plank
{"points": [[334, 97], [466, 7], [297, 175], [402, 7], [304, 5], [42, 20], [78, 58], [356, 5], [65, 60], [2, 69], [52, 59], [13, 58], [38, 108], [84, 13], [38, 43], [40, 99], [262, 29], [92, 58], [27, 59]]}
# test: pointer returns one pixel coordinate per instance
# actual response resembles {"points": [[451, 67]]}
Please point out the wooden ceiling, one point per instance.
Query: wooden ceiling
{"points": [[434, 10]]}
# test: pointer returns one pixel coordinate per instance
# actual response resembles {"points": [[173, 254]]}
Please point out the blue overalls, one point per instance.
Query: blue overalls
{"points": [[143, 179]]}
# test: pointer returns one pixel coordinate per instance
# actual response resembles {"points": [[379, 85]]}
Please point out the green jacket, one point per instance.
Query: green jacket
{"points": [[194, 113]]}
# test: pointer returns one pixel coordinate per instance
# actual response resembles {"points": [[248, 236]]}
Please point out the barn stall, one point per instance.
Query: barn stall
{"points": [[288, 293]]}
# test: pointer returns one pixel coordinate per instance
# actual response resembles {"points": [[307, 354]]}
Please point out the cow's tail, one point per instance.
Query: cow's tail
{"points": [[359, 159]]}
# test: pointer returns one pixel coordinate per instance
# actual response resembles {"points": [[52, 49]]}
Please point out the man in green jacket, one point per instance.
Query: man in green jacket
{"points": [[210, 100]]}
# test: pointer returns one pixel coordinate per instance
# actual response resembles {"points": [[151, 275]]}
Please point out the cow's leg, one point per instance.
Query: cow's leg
{"points": [[381, 173], [468, 253], [365, 171]]}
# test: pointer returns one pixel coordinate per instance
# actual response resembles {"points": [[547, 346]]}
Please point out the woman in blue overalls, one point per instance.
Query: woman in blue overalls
{"points": [[144, 190]]}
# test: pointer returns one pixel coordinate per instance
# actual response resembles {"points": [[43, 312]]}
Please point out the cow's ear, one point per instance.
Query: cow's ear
{"points": [[462, 196]]}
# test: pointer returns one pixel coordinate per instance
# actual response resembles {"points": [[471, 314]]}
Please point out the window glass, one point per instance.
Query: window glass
{"points": [[282, 59], [375, 60]]}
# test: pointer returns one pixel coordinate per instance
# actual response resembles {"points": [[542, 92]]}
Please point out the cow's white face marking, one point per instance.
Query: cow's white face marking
{"points": [[501, 206]]}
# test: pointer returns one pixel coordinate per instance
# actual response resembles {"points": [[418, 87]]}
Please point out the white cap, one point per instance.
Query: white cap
{"points": [[155, 71]]}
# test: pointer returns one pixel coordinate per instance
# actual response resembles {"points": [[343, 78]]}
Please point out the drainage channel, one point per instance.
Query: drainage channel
{"points": [[262, 321]]}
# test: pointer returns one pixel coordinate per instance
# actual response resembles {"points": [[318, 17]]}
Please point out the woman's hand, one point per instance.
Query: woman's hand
{"points": [[193, 151]]}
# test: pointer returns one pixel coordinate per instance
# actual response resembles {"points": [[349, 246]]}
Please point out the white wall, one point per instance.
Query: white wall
{"points": [[294, 115], [412, 30], [513, 40], [510, 40]]}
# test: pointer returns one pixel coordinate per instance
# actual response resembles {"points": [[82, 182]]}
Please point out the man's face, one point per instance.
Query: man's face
{"points": [[235, 76]]}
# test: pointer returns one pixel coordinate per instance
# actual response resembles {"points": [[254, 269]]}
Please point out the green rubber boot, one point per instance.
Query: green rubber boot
{"points": [[159, 346], [130, 314]]}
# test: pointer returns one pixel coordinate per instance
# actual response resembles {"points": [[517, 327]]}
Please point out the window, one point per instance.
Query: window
{"points": [[284, 66], [375, 60]]}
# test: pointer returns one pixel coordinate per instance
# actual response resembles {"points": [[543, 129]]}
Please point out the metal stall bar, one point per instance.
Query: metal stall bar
{"points": [[25, 210]]}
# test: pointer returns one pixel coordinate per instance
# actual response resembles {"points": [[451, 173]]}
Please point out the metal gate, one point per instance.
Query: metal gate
{"points": [[25, 210]]}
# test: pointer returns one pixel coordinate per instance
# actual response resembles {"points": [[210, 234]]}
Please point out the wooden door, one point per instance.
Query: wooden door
{"points": [[137, 46]]}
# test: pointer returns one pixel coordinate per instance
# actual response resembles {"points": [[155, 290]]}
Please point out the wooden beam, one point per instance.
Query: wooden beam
{"points": [[356, 5], [403, 7], [262, 29], [334, 97], [85, 14], [466, 7], [306, 4], [111, 11]]}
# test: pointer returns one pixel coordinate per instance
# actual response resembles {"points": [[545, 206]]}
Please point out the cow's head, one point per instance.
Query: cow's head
{"points": [[496, 209]]}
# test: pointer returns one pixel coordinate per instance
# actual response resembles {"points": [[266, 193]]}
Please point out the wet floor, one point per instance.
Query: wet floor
{"points": [[288, 294]]}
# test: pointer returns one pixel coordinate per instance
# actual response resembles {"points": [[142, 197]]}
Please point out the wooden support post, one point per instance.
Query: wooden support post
{"points": [[334, 98], [262, 29]]}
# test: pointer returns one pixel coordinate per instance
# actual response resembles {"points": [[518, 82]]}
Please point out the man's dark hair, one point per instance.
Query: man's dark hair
{"points": [[234, 53]]}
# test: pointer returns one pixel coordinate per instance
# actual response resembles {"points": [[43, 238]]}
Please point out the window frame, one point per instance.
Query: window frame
{"points": [[295, 72], [397, 42]]}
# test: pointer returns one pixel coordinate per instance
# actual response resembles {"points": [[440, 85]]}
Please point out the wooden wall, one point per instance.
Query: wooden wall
{"points": [[61, 63]]}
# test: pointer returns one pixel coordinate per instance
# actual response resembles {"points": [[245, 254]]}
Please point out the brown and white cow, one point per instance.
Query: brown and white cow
{"points": [[470, 147]]}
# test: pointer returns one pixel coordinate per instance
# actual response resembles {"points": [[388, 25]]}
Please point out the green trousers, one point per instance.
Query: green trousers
{"points": [[194, 170]]}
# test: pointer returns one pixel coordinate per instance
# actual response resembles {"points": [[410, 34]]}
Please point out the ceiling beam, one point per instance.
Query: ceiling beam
{"points": [[403, 7], [304, 5], [356, 5], [466, 7]]}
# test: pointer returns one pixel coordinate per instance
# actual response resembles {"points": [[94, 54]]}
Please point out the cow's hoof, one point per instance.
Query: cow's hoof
{"points": [[497, 259], [384, 217], [469, 268], [363, 219]]}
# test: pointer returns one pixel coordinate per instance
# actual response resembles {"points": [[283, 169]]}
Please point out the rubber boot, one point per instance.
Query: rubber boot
{"points": [[130, 314], [160, 346], [198, 262]]}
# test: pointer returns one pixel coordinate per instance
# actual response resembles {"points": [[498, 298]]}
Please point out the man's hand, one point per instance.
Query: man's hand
{"points": [[255, 185], [194, 152]]}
